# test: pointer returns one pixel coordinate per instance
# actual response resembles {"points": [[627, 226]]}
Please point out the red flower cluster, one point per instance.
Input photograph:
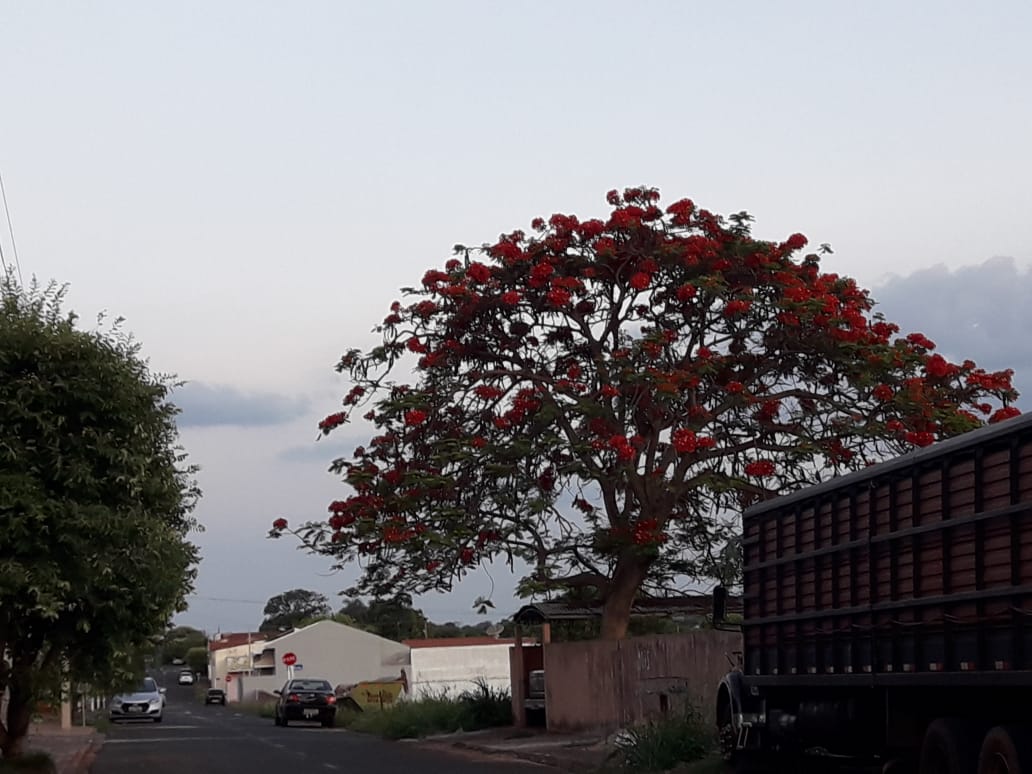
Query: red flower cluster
{"points": [[686, 292], [511, 297], [558, 297], [685, 441], [279, 524], [1007, 412], [938, 367], [640, 280], [415, 417], [759, 468], [478, 272], [623, 448], [332, 421], [919, 438], [647, 532], [796, 242], [736, 307], [883, 393]]}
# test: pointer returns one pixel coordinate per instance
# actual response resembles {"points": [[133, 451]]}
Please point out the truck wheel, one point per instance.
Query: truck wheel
{"points": [[1006, 750], [950, 747]]}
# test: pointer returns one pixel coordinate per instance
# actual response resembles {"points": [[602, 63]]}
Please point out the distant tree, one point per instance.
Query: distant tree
{"points": [[291, 608], [95, 504], [600, 398], [197, 659], [179, 640]]}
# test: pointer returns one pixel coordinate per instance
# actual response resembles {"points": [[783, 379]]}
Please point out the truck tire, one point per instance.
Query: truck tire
{"points": [[1006, 750], [950, 746]]}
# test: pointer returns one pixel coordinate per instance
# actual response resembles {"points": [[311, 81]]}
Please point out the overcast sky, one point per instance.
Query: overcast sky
{"points": [[249, 183]]}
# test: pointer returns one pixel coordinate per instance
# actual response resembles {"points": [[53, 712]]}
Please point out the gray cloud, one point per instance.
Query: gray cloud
{"points": [[979, 312], [210, 405], [324, 450]]}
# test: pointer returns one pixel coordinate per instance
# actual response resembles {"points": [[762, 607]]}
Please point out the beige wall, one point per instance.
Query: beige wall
{"points": [[609, 684]]}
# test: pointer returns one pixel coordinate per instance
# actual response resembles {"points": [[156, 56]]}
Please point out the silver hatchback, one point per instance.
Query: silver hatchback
{"points": [[145, 702]]}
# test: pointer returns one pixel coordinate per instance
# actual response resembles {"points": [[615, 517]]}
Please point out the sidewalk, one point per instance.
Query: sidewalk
{"points": [[72, 749], [566, 752]]}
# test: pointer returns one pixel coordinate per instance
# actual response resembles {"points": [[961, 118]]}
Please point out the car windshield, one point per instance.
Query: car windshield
{"points": [[309, 685], [147, 686]]}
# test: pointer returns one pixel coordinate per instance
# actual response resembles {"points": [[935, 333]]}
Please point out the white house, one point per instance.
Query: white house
{"points": [[325, 649], [455, 665], [232, 653]]}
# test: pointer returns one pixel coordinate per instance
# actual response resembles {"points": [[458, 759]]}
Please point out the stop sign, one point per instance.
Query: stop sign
{"points": [[289, 659]]}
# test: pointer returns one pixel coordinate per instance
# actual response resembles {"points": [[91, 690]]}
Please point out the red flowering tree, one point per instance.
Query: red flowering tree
{"points": [[600, 398]]}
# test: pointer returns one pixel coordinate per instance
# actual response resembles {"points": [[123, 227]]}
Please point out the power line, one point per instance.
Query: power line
{"points": [[225, 599], [10, 229]]}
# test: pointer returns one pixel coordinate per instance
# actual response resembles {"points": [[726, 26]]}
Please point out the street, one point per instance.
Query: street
{"points": [[213, 739]]}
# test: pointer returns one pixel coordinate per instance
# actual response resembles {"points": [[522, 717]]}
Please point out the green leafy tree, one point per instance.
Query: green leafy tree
{"points": [[95, 504], [197, 659], [600, 399], [293, 608], [179, 640]]}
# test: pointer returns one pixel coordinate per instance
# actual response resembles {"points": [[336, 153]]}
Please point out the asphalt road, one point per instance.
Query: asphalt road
{"points": [[198, 739]]}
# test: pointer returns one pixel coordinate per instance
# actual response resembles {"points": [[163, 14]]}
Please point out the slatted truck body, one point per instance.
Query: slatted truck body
{"points": [[888, 613]]}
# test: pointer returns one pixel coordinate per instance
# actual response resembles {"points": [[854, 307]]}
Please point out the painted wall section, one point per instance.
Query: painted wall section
{"points": [[453, 669]]}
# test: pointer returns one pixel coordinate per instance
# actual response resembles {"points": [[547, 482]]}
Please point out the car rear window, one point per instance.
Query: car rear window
{"points": [[310, 685]]}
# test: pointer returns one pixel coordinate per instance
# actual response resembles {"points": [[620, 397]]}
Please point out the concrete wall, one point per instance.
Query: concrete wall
{"points": [[603, 685], [329, 651], [455, 669]]}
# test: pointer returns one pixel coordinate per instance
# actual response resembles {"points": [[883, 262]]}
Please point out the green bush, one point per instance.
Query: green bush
{"points": [[663, 744], [481, 707], [32, 763]]}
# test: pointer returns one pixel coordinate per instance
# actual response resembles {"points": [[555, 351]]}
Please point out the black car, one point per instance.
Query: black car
{"points": [[306, 699], [215, 696]]}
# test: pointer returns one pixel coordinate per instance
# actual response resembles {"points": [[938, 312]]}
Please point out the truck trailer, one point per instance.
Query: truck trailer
{"points": [[887, 616]]}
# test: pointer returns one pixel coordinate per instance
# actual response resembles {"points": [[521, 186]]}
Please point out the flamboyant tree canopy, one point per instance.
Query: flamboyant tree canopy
{"points": [[601, 398]]}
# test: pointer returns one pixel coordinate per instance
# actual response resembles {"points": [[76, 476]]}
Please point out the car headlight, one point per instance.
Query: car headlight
{"points": [[156, 702]]}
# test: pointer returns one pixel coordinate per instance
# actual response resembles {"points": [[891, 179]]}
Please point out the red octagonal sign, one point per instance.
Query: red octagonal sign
{"points": [[289, 659]]}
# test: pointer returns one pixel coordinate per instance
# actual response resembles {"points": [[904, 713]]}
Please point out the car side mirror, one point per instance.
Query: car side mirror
{"points": [[162, 690]]}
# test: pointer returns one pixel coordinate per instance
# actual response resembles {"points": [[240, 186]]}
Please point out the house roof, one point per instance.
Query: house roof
{"points": [[232, 639], [692, 605], [457, 642]]}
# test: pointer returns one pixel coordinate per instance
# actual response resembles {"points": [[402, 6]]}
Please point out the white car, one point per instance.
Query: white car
{"points": [[145, 701], [186, 678]]}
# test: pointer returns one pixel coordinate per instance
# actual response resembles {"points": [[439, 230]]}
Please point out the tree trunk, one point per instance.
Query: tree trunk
{"points": [[627, 579], [15, 726]]}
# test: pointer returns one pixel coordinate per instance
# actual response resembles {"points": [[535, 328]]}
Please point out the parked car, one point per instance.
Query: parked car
{"points": [[186, 677], [145, 701], [215, 696], [306, 699], [177, 662]]}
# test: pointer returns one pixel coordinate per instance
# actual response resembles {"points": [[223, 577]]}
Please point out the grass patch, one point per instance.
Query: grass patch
{"points": [[101, 722], [31, 763], [480, 707], [263, 709], [663, 744]]}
